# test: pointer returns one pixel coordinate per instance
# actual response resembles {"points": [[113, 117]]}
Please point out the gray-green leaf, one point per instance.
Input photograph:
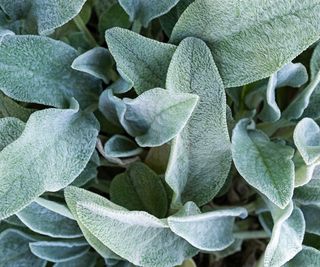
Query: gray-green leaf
{"points": [[52, 151], [200, 156], [210, 231], [157, 116], [119, 146], [38, 70], [265, 165], [136, 236], [10, 130], [144, 61], [308, 256], [252, 39]]}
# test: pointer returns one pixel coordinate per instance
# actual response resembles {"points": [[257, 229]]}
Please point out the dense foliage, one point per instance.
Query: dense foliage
{"points": [[159, 133]]}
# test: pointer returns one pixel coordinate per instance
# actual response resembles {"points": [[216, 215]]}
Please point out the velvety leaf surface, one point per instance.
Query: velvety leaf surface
{"points": [[311, 214], [157, 116], [251, 40], [309, 193], [86, 260], [154, 243], [41, 219], [15, 251], [308, 256], [97, 62], [287, 236], [38, 70], [210, 231], [265, 165], [10, 130], [146, 10], [59, 251], [52, 151], [307, 139], [140, 188], [142, 60], [200, 156], [120, 146], [45, 14]]}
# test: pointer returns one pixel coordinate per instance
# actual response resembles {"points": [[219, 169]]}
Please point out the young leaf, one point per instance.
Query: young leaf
{"points": [[144, 61], [252, 39], [37, 69], [46, 14], [97, 62], [52, 151], [119, 146], [15, 251], [287, 236], [265, 165], [134, 235], [146, 10], [308, 194], [200, 156], [308, 256], [210, 231], [10, 130], [47, 222], [87, 260], [157, 115], [59, 251], [307, 139], [140, 188]]}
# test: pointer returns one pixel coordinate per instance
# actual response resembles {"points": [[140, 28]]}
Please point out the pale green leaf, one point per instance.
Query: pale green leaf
{"points": [[15, 251], [59, 251], [146, 10], [251, 39], [97, 62], [307, 139], [38, 70], [45, 14], [52, 151], [308, 256], [47, 222], [157, 116], [309, 193], [265, 165], [10, 130], [303, 172], [144, 61], [86, 260], [210, 231], [311, 214], [200, 156], [287, 236], [140, 188], [135, 235], [120, 146]]}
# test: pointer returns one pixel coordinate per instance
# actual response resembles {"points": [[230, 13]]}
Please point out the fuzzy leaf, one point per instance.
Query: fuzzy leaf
{"points": [[210, 231], [287, 236], [59, 251], [307, 139], [136, 236], [140, 188], [52, 151], [86, 260], [200, 156], [311, 214], [97, 62], [309, 193], [45, 14], [252, 39], [265, 165], [308, 256], [46, 221], [15, 251], [144, 61], [157, 116], [37, 69], [10, 130], [119, 146]]}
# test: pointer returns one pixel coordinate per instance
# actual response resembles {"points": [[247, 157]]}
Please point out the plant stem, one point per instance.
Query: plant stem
{"points": [[82, 27], [136, 27], [251, 235]]}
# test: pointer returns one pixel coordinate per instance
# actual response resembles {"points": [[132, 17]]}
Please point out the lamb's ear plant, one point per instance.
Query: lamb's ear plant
{"points": [[159, 133]]}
